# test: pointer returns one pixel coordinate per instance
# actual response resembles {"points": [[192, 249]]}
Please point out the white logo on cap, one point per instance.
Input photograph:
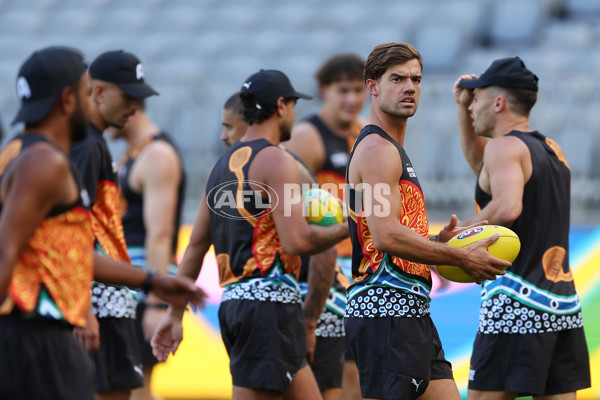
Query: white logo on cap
{"points": [[23, 90], [139, 72], [247, 85]]}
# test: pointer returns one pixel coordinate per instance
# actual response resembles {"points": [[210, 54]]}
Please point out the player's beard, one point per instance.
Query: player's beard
{"points": [[78, 123], [285, 132]]}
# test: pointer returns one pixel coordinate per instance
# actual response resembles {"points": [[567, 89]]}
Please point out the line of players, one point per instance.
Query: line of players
{"points": [[267, 333]]}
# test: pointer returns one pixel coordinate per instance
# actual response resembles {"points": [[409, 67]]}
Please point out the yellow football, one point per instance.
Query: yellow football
{"points": [[507, 247], [322, 208]]}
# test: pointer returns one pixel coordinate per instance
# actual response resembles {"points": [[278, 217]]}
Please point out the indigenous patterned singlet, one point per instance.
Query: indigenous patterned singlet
{"points": [[98, 176], [385, 285], [132, 204], [333, 171], [537, 294], [252, 263], [52, 275]]}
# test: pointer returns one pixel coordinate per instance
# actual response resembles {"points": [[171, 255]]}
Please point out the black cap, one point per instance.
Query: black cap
{"points": [[123, 69], [506, 72], [41, 79], [268, 85]]}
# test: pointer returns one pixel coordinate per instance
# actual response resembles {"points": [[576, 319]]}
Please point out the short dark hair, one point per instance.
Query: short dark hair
{"points": [[521, 100], [253, 114], [339, 68], [386, 55], [234, 103]]}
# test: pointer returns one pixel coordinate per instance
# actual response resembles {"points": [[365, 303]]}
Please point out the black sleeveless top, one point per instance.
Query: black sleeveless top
{"points": [[336, 149], [133, 218], [540, 279], [243, 231], [379, 270]]}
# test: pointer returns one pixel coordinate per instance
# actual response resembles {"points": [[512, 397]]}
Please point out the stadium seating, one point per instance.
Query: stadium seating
{"points": [[197, 53]]}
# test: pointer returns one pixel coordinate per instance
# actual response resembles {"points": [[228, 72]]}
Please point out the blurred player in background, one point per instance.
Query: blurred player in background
{"points": [[46, 241], [257, 251], [152, 184], [530, 339], [118, 88], [232, 120], [388, 327], [323, 141]]}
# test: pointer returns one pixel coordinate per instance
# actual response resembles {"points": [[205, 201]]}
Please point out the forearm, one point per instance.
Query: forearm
{"points": [[321, 238], [472, 145], [496, 212], [158, 255], [321, 274], [409, 245], [190, 267], [108, 270]]}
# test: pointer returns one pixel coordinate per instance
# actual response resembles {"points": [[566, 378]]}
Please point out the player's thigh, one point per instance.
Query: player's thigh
{"points": [[490, 395], [332, 394], [441, 389], [304, 386], [562, 396], [243, 393], [350, 381]]}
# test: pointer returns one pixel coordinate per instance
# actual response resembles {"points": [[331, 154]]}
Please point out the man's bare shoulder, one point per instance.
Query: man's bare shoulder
{"points": [[158, 151], [305, 130], [42, 168], [270, 162], [506, 146], [374, 146]]}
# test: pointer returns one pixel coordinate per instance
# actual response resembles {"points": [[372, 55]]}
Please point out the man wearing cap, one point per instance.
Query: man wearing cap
{"points": [[47, 260], [530, 339], [151, 189], [118, 88], [258, 232]]}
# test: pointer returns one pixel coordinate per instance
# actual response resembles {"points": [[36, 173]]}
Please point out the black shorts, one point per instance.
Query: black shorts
{"points": [[42, 360], [144, 347], [396, 357], [266, 342], [328, 363], [531, 364], [118, 363]]}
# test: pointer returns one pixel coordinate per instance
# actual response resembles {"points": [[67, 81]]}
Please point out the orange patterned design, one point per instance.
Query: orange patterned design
{"points": [[226, 276], [372, 257], [59, 255], [413, 216], [556, 148], [9, 153], [341, 278], [265, 244], [106, 222], [237, 161], [552, 261]]}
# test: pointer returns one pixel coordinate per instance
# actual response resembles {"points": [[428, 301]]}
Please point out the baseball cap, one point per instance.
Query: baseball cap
{"points": [[42, 77], [123, 69], [505, 72], [267, 85]]}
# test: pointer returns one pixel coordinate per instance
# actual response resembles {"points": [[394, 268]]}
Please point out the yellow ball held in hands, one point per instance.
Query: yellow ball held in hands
{"points": [[507, 247], [322, 208]]}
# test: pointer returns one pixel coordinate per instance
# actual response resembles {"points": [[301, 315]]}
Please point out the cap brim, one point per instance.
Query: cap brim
{"points": [[473, 83], [139, 90], [302, 96], [33, 112]]}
